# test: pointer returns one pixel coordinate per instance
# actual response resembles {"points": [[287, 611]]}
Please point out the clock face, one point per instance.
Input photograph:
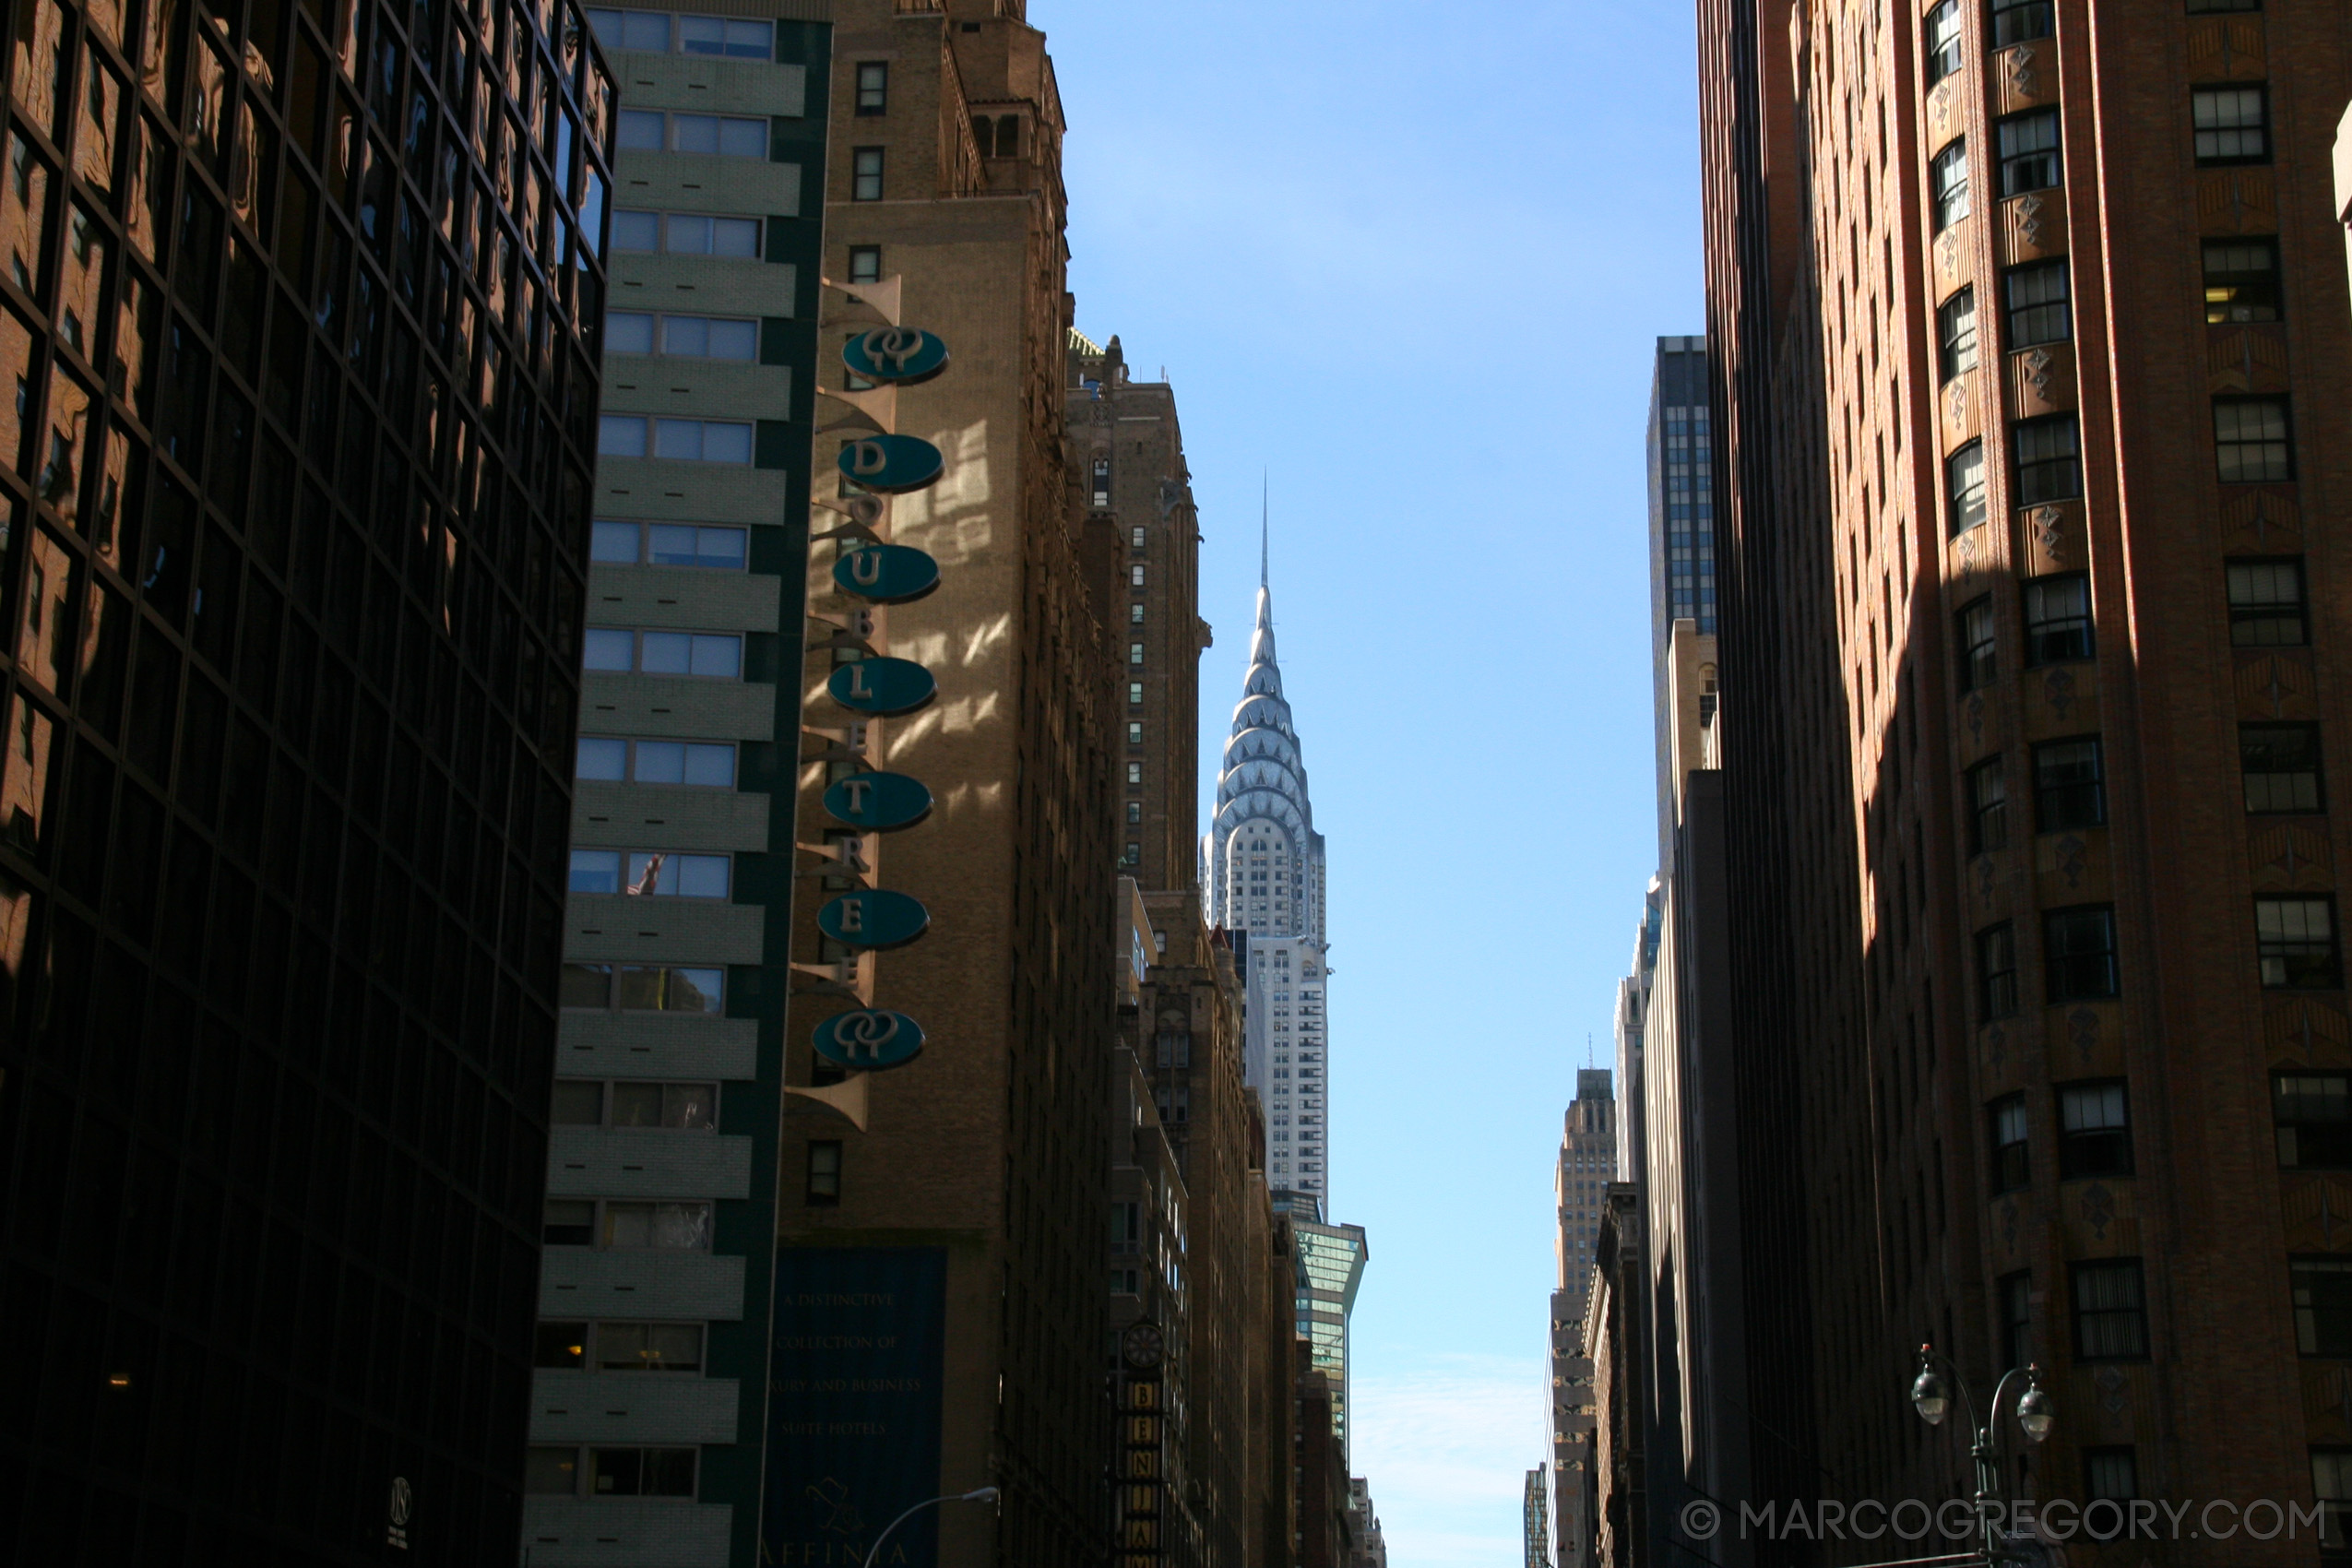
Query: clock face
{"points": [[1143, 1345]]}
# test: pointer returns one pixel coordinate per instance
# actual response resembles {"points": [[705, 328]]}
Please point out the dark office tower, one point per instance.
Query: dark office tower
{"points": [[298, 300]]}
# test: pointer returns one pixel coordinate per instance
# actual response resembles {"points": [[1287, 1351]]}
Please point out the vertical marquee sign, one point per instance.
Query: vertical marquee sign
{"points": [[873, 572], [1142, 1481]]}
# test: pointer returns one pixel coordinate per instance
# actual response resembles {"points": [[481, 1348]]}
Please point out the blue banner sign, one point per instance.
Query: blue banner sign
{"points": [[900, 355], [873, 917], [886, 574], [853, 1408], [869, 1040], [884, 687], [892, 464], [880, 803]]}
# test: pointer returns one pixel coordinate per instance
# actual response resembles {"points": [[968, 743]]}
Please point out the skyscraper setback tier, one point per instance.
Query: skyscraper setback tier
{"points": [[2031, 401], [300, 302], [1263, 870]]}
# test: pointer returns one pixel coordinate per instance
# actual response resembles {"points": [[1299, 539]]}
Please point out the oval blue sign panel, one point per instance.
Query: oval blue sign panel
{"points": [[881, 803], [873, 917], [891, 464], [884, 687], [869, 1040], [900, 355], [886, 574]]}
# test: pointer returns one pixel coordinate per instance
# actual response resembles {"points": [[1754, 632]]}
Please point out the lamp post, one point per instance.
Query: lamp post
{"points": [[2036, 1412], [982, 1495]]}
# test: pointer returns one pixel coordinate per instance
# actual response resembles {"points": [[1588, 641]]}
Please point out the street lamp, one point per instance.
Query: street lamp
{"points": [[982, 1495], [2036, 1412]]}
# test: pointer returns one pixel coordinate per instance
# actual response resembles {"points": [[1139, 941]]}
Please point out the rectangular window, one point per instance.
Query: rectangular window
{"points": [[2242, 280], [2058, 619], [681, 336], [2012, 1165], [647, 33], [1136, 540], [2014, 21], [2266, 603], [1978, 663], [2312, 1113], [2332, 1487], [2110, 1475], [1996, 972], [2078, 953], [2322, 1288], [865, 264], [1134, 735], [1135, 574], [642, 1472], [2038, 304], [619, 650], [650, 874], [2094, 1130], [612, 1224], [671, 544], [648, 1347], [718, 135], [550, 1471], [1100, 474], [581, 1102], [2070, 789], [824, 1188], [1134, 653], [560, 1345], [607, 759], [2232, 124], [644, 988], [2014, 1297], [1942, 38], [865, 174], [2252, 443], [1135, 692], [1133, 855], [1987, 808], [2029, 158], [686, 234], [692, 441], [1949, 178], [1135, 813], [2050, 465], [1136, 769], [1955, 322], [2280, 763], [1135, 614], [724, 35], [1963, 487], [2295, 940], [2110, 1321], [874, 87]]}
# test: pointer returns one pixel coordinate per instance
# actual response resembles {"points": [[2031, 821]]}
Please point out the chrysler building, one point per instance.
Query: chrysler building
{"points": [[1262, 866]]}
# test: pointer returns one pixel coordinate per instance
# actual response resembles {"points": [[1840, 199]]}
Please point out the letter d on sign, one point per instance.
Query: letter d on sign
{"points": [[868, 458]]}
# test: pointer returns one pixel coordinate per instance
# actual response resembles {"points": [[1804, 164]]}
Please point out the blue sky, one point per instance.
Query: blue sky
{"points": [[1410, 258]]}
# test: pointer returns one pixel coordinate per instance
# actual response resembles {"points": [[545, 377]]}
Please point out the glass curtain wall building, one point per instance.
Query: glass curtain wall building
{"points": [[299, 301]]}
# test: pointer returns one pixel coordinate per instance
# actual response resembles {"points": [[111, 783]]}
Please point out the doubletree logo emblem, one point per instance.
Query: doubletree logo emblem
{"points": [[396, 1531]]}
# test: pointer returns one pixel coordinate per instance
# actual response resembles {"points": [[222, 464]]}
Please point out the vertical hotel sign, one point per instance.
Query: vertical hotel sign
{"points": [[1143, 1478], [853, 1405], [863, 797]]}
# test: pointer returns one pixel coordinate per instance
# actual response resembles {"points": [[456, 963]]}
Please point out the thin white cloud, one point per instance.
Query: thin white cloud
{"points": [[1446, 1441]]}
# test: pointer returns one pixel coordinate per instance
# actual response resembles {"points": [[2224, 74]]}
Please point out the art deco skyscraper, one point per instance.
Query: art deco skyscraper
{"points": [[300, 305], [1261, 865]]}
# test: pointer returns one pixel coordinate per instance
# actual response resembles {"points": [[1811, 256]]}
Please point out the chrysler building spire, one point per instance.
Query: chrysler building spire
{"points": [[1262, 866]]}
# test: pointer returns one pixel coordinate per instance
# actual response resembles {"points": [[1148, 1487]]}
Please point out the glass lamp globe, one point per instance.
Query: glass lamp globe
{"points": [[2036, 1412], [1928, 1395]]}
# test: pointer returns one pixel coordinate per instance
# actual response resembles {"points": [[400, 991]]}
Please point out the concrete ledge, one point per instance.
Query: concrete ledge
{"points": [[562, 1532], [704, 182], [576, 1283], [633, 1406], [692, 388], [712, 284], [668, 816], [656, 1045], [677, 707], [665, 491], [647, 1162], [687, 596], [709, 85], [599, 926]]}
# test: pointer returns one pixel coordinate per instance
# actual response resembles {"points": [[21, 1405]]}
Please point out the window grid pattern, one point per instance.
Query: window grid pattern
{"points": [[1687, 467]]}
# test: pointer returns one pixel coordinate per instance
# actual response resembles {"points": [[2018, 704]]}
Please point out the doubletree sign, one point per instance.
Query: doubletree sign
{"points": [[875, 919]]}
